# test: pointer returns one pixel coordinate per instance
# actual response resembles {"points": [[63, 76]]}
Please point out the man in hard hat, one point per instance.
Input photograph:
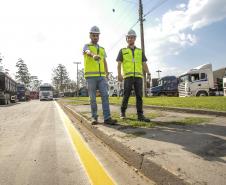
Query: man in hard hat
{"points": [[96, 71], [133, 62]]}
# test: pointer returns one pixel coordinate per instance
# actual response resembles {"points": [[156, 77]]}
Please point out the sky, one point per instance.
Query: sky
{"points": [[179, 34]]}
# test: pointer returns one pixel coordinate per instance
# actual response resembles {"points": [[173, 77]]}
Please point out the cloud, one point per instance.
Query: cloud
{"points": [[175, 30]]}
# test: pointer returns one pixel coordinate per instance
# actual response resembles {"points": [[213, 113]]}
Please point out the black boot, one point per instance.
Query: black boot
{"points": [[110, 121], [143, 118]]}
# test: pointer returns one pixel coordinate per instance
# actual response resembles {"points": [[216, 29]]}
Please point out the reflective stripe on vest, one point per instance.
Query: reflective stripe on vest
{"points": [[132, 65], [92, 67]]}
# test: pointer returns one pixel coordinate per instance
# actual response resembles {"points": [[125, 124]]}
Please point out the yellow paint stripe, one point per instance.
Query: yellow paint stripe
{"points": [[95, 171]]}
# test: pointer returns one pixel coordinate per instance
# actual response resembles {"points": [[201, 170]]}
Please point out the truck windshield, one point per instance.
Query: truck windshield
{"points": [[21, 88], [184, 78], [45, 88]]}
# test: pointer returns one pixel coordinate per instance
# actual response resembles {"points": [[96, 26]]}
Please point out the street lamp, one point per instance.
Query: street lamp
{"points": [[77, 63], [159, 73]]}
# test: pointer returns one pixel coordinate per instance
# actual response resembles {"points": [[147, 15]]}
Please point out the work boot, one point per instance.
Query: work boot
{"points": [[122, 115], [143, 118], [94, 121], [110, 121]]}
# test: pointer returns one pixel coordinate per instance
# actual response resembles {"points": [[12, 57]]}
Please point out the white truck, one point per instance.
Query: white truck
{"points": [[224, 85], [45, 92], [200, 81]]}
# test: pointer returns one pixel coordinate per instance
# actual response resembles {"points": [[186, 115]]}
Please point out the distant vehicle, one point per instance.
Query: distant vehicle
{"points": [[115, 89], [45, 92], [224, 84], [61, 94], [34, 95], [8, 89], [167, 86], [201, 81], [23, 94]]}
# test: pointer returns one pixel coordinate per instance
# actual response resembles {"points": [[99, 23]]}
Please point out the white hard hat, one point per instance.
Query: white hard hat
{"points": [[131, 33], [95, 29]]}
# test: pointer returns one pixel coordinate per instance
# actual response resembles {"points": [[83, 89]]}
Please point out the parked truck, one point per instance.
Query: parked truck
{"points": [[7, 89], [45, 92], [201, 81], [23, 94], [167, 86], [224, 85]]}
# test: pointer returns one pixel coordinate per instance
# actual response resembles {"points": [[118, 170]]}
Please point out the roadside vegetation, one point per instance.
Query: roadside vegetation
{"points": [[217, 103]]}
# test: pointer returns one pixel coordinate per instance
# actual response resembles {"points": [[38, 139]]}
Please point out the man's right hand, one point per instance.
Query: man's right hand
{"points": [[120, 78], [96, 57]]}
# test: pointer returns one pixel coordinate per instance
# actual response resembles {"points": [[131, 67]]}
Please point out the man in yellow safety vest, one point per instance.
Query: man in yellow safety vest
{"points": [[96, 71], [133, 62]]}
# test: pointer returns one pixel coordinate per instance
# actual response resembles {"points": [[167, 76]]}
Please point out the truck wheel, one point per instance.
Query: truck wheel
{"points": [[202, 93]]}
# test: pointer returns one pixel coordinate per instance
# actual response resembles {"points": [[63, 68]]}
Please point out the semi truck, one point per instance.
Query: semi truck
{"points": [[167, 86], [23, 94], [45, 92], [224, 85], [8, 89], [201, 81]]}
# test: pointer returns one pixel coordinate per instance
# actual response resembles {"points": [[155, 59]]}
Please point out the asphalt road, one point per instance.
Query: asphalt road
{"points": [[37, 149]]}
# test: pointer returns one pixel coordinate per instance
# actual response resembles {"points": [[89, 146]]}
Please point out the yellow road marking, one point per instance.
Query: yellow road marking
{"points": [[95, 171]]}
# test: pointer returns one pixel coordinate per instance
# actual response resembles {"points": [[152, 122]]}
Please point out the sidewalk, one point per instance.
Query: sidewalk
{"points": [[176, 148]]}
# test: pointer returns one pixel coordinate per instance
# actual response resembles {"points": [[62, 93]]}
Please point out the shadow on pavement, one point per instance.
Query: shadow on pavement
{"points": [[202, 140]]}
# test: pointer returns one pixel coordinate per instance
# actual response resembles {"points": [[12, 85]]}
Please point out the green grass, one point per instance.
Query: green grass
{"points": [[208, 103], [191, 121]]}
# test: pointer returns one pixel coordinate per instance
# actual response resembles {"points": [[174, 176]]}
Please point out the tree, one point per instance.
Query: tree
{"points": [[23, 75], [60, 77], [35, 83]]}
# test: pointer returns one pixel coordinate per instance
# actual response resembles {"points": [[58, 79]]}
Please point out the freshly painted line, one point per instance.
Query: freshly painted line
{"points": [[94, 169]]}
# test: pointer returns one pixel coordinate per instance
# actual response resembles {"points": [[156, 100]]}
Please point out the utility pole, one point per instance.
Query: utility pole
{"points": [[77, 91], [159, 73], [141, 19]]}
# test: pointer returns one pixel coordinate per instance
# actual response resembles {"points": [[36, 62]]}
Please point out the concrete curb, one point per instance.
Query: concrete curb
{"points": [[187, 110], [140, 161]]}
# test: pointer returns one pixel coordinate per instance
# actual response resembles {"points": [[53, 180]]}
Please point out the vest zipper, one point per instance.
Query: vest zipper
{"points": [[133, 63], [98, 50]]}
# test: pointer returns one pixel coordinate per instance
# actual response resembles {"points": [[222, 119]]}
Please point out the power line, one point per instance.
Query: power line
{"points": [[155, 7], [123, 35], [130, 1], [150, 11]]}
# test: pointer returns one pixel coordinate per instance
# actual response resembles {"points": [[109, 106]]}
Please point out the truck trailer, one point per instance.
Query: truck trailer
{"points": [[8, 89], [167, 86]]}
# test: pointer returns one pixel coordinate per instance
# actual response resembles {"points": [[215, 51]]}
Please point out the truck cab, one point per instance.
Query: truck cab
{"points": [[45, 92], [197, 81], [167, 86]]}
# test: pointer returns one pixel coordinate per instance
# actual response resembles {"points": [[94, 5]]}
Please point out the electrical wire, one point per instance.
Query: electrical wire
{"points": [[155, 7]]}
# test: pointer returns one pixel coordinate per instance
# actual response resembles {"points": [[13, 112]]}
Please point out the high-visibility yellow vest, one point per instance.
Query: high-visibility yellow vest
{"points": [[92, 67], [132, 65]]}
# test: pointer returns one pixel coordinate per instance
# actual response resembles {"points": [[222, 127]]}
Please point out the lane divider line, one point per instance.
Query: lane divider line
{"points": [[96, 172]]}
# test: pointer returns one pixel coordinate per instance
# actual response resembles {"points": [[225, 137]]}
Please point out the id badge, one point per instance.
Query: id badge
{"points": [[133, 60]]}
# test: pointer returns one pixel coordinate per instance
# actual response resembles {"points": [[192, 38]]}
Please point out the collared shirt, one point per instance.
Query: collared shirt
{"points": [[85, 48], [120, 57]]}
